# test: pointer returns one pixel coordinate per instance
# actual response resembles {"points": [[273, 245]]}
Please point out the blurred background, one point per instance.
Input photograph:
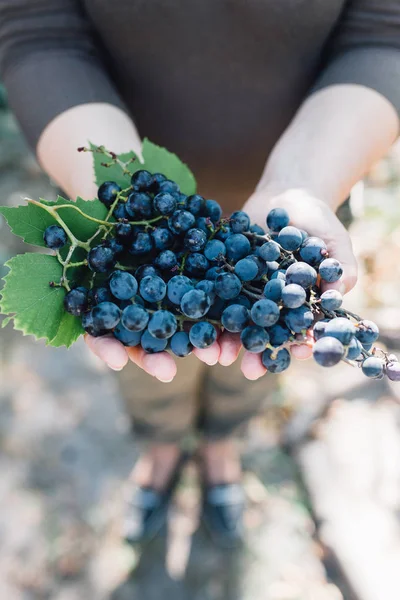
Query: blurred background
{"points": [[322, 462]]}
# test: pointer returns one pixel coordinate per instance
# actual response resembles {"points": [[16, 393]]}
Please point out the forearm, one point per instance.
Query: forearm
{"points": [[336, 136], [99, 123]]}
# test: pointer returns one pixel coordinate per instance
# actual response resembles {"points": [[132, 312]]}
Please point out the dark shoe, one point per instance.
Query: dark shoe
{"points": [[147, 509], [223, 509]]}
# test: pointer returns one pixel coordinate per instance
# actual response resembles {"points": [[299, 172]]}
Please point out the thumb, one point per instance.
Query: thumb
{"points": [[110, 350]]}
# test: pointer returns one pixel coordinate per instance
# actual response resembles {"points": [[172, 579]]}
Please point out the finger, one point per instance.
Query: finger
{"points": [[252, 367], [160, 365], [108, 349], [301, 352], [230, 347], [209, 355]]}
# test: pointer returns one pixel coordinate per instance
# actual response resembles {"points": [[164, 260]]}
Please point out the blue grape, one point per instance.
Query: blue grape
{"points": [[195, 304], [205, 224], [180, 344], [313, 251], [106, 315], [119, 211], [277, 219], [89, 326], [124, 233], [254, 339], [202, 334], [227, 285], [208, 287], [372, 367], [142, 244], [214, 249], [269, 251], [145, 271], [139, 205], [155, 182], [115, 246], [126, 337], [99, 294], [235, 318], [328, 351], [319, 329], [331, 300], [224, 232], [152, 345], [257, 229], [162, 324], [195, 240], [55, 237], [196, 264], [279, 334], [123, 285], [367, 332], [330, 270], [195, 204], [213, 210], [241, 299], [290, 238], [152, 288], [166, 260], [134, 317], [162, 238], [107, 192], [101, 259], [164, 203], [237, 246], [239, 221], [341, 329], [278, 274], [76, 301], [265, 313], [212, 273], [293, 295], [177, 287], [246, 269], [354, 349], [168, 187], [299, 319], [302, 274], [141, 180], [273, 289], [181, 221], [278, 363]]}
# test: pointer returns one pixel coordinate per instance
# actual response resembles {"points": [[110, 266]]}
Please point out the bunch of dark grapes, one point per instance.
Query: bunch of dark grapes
{"points": [[171, 272]]}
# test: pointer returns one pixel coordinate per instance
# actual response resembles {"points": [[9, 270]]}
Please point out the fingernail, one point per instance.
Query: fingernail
{"points": [[115, 368], [165, 380]]}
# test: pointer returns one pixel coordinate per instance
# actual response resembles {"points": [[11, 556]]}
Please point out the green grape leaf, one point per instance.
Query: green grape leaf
{"points": [[155, 159], [35, 307], [29, 221]]}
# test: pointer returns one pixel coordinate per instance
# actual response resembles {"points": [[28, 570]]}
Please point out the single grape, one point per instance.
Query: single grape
{"points": [[331, 300], [392, 370], [262, 266], [181, 221], [177, 287], [278, 363], [290, 238], [106, 315], [208, 287], [196, 264], [114, 245], [265, 313], [237, 246], [239, 221], [89, 327], [213, 210], [279, 334], [257, 229], [152, 345], [227, 285], [99, 294], [195, 304], [302, 274], [214, 249], [107, 192], [124, 233], [145, 271], [101, 259], [304, 234], [168, 187], [139, 205], [166, 260], [273, 267], [299, 319], [55, 237], [330, 270], [235, 318], [162, 238], [164, 203], [341, 329], [141, 180], [205, 224], [277, 219], [195, 204], [142, 244], [180, 344], [126, 337], [246, 269], [278, 274], [367, 332], [372, 367], [319, 329], [195, 240], [162, 324], [313, 251], [155, 182], [293, 295], [152, 288], [353, 350], [273, 289], [254, 339], [224, 232], [119, 211], [212, 273], [269, 251], [202, 334], [76, 301], [328, 351], [123, 285], [135, 317]]}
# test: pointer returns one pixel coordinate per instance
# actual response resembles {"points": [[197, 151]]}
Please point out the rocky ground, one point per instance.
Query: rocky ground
{"points": [[322, 463]]}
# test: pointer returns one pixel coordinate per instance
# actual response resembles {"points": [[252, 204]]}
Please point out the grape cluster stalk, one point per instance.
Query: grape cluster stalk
{"points": [[167, 271]]}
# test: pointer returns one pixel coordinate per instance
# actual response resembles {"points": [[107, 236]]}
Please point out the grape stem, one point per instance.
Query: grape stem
{"points": [[343, 311]]}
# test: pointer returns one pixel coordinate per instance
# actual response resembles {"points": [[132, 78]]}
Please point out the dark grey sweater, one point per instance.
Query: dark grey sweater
{"points": [[216, 81]]}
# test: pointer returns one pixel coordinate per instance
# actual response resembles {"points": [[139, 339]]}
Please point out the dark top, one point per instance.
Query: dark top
{"points": [[216, 81]]}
